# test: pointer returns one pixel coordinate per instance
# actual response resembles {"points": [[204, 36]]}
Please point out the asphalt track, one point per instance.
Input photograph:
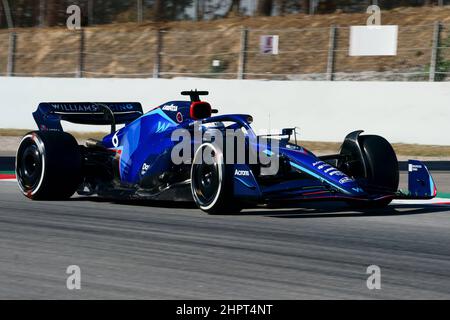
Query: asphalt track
{"points": [[136, 251]]}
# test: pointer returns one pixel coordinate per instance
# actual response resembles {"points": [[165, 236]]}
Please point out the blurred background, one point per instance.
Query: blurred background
{"points": [[220, 39], [125, 50], [288, 63]]}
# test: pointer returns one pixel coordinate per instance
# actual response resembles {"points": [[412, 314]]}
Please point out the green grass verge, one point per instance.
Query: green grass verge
{"points": [[7, 172]]}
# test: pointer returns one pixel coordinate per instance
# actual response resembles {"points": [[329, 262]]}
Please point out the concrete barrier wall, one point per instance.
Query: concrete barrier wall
{"points": [[408, 112]]}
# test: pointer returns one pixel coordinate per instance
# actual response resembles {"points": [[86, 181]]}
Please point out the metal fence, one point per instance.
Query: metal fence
{"points": [[304, 54]]}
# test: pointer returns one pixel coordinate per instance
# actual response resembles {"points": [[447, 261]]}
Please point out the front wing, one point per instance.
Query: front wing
{"points": [[421, 186]]}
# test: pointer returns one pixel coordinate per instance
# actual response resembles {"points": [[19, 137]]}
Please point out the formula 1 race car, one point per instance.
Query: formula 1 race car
{"points": [[138, 160]]}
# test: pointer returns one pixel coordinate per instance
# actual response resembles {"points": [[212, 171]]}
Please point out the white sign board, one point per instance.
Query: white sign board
{"points": [[373, 40], [268, 44]]}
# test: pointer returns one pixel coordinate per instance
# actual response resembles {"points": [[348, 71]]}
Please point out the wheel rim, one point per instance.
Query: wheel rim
{"points": [[206, 178], [206, 182], [29, 166]]}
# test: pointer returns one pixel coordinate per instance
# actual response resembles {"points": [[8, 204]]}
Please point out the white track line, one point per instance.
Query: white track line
{"points": [[440, 201], [443, 201]]}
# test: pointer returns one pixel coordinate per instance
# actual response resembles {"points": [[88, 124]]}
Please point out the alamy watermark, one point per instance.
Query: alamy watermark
{"points": [[375, 15], [74, 20], [374, 280], [73, 281], [239, 146]]}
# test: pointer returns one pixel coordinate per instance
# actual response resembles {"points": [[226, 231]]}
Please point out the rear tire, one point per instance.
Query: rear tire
{"points": [[48, 165]]}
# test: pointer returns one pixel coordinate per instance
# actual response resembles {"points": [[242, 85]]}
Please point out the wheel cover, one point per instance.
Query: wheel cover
{"points": [[29, 165], [206, 182], [206, 178]]}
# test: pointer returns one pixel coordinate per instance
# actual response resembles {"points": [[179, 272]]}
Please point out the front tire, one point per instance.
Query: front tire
{"points": [[382, 174], [48, 165], [382, 163], [212, 181]]}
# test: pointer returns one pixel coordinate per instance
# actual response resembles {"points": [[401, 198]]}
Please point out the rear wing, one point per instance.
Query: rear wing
{"points": [[48, 115]]}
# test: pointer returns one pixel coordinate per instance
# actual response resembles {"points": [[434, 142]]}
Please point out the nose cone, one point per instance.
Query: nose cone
{"points": [[324, 172]]}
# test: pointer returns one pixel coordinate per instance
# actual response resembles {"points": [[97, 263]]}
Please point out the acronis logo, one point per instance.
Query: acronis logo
{"points": [[244, 173]]}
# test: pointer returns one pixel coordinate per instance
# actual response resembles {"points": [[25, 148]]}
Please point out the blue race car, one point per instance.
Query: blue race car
{"points": [[179, 151]]}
